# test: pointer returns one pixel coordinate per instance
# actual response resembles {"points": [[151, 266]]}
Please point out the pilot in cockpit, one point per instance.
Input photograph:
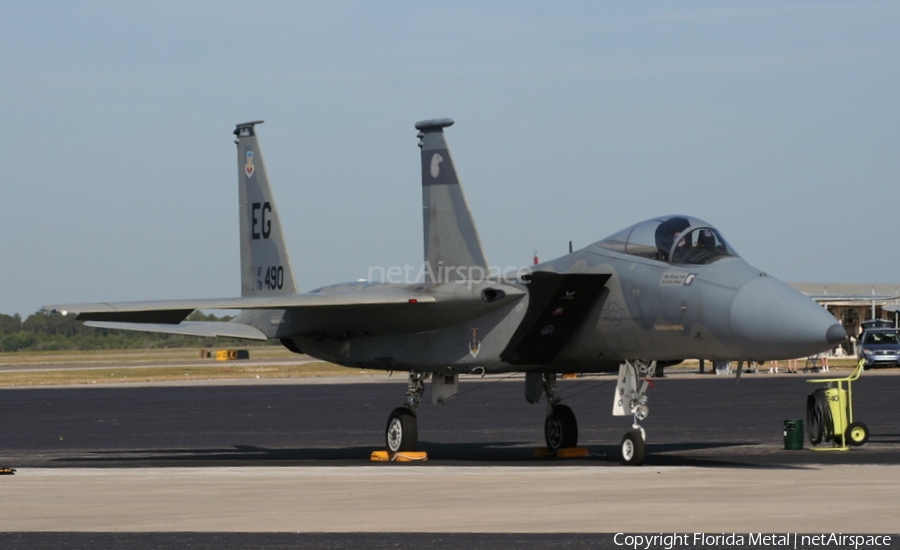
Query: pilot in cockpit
{"points": [[706, 239], [667, 232], [701, 251]]}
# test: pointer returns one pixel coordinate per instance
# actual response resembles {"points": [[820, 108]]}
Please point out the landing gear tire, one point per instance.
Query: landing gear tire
{"points": [[633, 448], [402, 432], [561, 428], [857, 434]]}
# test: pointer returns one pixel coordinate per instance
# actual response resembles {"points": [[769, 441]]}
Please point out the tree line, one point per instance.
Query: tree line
{"points": [[43, 331]]}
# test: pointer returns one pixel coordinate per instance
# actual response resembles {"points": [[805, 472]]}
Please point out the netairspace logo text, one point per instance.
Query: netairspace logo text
{"points": [[668, 541]]}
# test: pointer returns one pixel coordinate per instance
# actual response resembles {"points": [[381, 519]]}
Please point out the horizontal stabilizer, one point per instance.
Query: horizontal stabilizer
{"points": [[210, 329], [557, 305]]}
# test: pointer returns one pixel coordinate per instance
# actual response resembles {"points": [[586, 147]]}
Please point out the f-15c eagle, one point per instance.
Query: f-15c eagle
{"points": [[653, 294]]}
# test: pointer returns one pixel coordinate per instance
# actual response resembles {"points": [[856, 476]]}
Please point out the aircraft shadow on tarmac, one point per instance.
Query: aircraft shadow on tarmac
{"points": [[499, 453]]}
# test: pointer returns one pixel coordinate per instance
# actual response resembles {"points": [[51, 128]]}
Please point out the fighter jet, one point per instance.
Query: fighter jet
{"points": [[651, 295]]}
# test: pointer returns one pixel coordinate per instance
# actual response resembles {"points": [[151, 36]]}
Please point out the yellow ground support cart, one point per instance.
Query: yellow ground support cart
{"points": [[829, 414]]}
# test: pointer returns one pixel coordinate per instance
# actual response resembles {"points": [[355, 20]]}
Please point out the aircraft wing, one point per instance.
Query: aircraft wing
{"points": [[373, 310], [175, 311]]}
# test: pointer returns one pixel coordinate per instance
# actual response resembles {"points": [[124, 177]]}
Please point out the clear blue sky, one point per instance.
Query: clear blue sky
{"points": [[778, 122]]}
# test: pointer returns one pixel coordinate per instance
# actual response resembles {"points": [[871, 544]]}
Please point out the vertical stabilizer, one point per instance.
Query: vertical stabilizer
{"points": [[265, 266], [452, 245]]}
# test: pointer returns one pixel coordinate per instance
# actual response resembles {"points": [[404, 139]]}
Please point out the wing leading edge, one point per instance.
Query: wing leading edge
{"points": [[175, 311]]}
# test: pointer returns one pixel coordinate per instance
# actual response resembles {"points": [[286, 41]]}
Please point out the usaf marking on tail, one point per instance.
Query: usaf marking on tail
{"points": [[653, 294]]}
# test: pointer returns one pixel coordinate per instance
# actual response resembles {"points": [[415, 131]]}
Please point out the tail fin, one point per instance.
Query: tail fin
{"points": [[265, 266], [451, 239]]}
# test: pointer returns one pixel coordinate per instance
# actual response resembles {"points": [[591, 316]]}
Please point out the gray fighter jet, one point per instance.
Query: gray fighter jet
{"points": [[651, 295]]}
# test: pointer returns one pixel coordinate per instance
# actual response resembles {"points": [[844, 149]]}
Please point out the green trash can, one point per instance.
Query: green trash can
{"points": [[793, 435]]}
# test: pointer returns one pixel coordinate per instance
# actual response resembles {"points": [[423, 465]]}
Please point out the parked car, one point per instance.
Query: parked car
{"points": [[880, 347], [876, 323]]}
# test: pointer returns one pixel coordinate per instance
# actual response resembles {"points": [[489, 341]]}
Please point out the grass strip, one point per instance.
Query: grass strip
{"points": [[169, 374]]}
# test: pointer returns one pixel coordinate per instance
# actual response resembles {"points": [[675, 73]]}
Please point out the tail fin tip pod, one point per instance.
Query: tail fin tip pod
{"points": [[452, 244], [434, 124], [265, 265]]}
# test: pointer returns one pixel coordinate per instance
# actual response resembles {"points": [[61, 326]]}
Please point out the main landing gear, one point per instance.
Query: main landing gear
{"points": [[402, 432], [631, 400], [560, 426]]}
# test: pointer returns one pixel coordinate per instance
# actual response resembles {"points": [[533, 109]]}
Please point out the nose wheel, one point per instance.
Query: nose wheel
{"points": [[633, 448]]}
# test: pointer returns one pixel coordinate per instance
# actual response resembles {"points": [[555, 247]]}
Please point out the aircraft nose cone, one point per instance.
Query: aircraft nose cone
{"points": [[835, 334], [771, 320]]}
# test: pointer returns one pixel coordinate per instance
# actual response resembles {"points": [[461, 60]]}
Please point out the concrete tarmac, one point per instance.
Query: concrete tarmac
{"points": [[263, 457], [400, 498]]}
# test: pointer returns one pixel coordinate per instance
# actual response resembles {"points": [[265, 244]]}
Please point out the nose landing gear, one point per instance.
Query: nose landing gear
{"points": [[628, 399]]}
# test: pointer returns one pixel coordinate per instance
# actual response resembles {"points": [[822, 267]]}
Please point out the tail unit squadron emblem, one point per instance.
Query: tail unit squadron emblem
{"points": [[474, 343], [248, 164], [436, 161]]}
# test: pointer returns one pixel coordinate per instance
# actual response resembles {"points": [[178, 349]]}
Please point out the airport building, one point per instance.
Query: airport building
{"points": [[852, 303]]}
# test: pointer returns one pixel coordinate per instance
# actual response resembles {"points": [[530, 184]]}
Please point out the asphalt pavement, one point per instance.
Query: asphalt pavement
{"points": [[254, 463], [697, 421]]}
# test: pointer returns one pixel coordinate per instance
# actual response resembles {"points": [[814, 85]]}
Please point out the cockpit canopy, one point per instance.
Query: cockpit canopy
{"points": [[673, 239]]}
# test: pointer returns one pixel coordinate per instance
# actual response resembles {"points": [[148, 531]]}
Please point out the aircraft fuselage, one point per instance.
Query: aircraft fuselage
{"points": [[647, 309]]}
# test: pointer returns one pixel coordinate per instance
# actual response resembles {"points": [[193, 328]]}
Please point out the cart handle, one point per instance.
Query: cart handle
{"points": [[853, 375]]}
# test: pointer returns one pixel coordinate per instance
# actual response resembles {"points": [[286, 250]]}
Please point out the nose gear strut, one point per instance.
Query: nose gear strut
{"points": [[628, 399]]}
